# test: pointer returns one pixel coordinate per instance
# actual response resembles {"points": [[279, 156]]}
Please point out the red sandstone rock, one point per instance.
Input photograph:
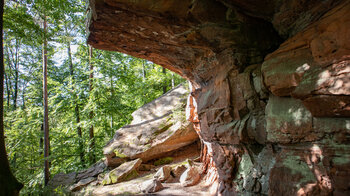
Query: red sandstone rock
{"points": [[313, 63], [219, 46], [288, 121]]}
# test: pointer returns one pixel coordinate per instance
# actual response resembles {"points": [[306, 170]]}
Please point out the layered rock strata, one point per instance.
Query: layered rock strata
{"points": [[270, 84]]}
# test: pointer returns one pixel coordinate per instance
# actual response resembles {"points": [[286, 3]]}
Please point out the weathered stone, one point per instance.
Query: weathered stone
{"points": [[151, 186], [163, 161], [161, 106], [331, 80], [82, 183], [178, 170], [314, 65], [311, 169], [125, 171], [290, 174], [219, 46], [163, 173], [283, 72], [92, 171], [332, 125], [338, 106], [152, 134], [190, 177], [113, 161], [288, 121], [62, 179], [146, 167]]}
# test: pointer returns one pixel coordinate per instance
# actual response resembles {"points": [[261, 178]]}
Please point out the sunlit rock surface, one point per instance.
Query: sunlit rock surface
{"points": [[270, 84], [158, 127]]}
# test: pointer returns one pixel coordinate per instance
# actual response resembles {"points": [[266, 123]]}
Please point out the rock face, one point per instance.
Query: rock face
{"points": [[62, 179], [190, 177], [151, 186], [163, 173], [154, 131], [125, 171], [270, 84], [76, 180]]}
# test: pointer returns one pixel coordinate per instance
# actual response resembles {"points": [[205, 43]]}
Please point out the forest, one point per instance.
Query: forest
{"points": [[63, 100]]}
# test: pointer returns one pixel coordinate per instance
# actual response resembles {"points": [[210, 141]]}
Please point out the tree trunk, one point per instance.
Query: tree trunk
{"points": [[164, 82], [91, 116], [75, 100], [8, 183], [16, 66], [8, 91], [23, 97], [46, 112]]}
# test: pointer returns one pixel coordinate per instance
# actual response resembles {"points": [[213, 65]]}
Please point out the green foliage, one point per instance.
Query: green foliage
{"points": [[121, 84]]}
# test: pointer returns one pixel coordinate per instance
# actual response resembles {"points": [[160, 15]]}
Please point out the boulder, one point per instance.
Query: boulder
{"points": [[113, 161], [151, 186], [161, 106], [163, 173], [92, 171], [82, 183], [153, 132], [62, 179], [190, 177], [178, 170], [125, 171]]}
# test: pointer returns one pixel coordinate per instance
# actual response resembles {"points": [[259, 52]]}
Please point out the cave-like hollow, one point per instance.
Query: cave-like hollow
{"points": [[270, 84]]}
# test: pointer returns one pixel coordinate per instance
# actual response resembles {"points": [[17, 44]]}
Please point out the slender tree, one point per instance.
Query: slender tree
{"points": [[91, 115], [8, 183], [75, 99], [16, 74], [46, 111]]}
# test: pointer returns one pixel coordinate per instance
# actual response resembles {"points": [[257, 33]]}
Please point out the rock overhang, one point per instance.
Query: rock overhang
{"points": [[179, 38], [237, 89]]}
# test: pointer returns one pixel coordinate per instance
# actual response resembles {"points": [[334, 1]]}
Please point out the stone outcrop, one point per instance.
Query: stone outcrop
{"points": [[62, 179], [269, 84], [163, 173], [157, 128], [151, 186], [124, 172], [190, 177], [75, 181], [159, 134]]}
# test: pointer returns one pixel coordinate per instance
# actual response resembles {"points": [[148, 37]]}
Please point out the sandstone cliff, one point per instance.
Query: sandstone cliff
{"points": [[270, 84]]}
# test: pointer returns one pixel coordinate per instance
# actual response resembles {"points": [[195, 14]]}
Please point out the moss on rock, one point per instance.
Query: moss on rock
{"points": [[163, 161]]}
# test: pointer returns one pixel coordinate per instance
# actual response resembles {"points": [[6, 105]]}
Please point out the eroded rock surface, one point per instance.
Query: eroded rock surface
{"points": [[151, 186], [75, 181], [124, 172], [154, 131], [270, 84]]}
